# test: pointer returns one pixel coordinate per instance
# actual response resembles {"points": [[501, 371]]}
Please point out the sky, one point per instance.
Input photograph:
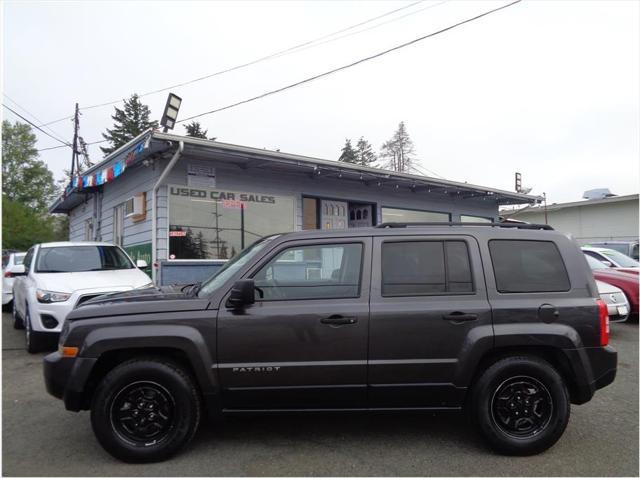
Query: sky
{"points": [[546, 88]]}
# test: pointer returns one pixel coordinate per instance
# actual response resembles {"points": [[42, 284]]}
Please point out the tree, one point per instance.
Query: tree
{"points": [[364, 153], [23, 226], [195, 130], [128, 123], [348, 153], [398, 152], [25, 179]]}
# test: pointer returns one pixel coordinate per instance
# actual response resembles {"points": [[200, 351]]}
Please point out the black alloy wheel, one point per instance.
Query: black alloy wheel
{"points": [[143, 413], [146, 409], [522, 407]]}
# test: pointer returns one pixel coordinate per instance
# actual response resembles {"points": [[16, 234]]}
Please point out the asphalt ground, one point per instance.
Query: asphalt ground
{"points": [[40, 438]]}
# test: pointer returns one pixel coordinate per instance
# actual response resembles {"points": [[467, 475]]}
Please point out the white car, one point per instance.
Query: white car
{"points": [[609, 257], [9, 263], [617, 303], [58, 276]]}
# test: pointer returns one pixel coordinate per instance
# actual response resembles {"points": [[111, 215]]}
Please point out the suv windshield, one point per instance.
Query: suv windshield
{"points": [[230, 268], [19, 258], [82, 259], [624, 261]]}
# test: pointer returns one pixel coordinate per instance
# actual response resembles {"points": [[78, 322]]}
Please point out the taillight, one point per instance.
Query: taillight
{"points": [[8, 274], [603, 312]]}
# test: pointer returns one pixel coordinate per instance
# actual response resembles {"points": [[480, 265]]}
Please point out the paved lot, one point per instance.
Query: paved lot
{"points": [[40, 438]]}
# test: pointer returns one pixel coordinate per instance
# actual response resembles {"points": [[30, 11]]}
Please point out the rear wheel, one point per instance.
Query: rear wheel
{"points": [[521, 405], [17, 321], [145, 410]]}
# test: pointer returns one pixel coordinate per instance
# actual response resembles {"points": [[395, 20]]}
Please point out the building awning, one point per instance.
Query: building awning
{"points": [[152, 144]]}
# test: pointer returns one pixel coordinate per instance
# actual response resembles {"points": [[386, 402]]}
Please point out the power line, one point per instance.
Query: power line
{"points": [[298, 47], [344, 67], [31, 114], [35, 125]]}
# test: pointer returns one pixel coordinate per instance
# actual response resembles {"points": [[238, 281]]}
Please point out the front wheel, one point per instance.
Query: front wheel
{"points": [[145, 410], [18, 324], [521, 405], [34, 341]]}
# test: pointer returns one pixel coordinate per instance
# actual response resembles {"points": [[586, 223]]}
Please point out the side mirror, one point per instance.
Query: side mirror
{"points": [[140, 264], [18, 270], [242, 294], [607, 263]]}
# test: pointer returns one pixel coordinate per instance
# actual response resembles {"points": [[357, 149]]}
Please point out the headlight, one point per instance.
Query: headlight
{"points": [[150, 285], [47, 296]]}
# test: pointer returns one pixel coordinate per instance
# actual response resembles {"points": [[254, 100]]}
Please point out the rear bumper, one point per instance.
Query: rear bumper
{"points": [[596, 368], [65, 378]]}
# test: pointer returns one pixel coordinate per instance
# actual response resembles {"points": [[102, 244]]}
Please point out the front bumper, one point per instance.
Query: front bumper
{"points": [[65, 378]]}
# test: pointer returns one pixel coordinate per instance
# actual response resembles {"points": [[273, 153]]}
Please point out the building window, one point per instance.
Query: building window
{"points": [[468, 218], [118, 224], [528, 266], [390, 214], [329, 271], [425, 268], [217, 224]]}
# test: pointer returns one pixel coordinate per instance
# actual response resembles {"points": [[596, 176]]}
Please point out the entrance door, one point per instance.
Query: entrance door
{"points": [[303, 344], [334, 214], [428, 305]]}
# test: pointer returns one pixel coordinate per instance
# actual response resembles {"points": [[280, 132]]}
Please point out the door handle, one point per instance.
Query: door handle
{"points": [[338, 320], [460, 317]]}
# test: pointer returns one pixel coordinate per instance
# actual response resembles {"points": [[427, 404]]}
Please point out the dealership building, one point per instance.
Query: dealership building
{"points": [[186, 204]]}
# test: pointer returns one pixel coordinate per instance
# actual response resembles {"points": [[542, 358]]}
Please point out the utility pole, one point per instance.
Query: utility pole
{"points": [[74, 152], [546, 220]]}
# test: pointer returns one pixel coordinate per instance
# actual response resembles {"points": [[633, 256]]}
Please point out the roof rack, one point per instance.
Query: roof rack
{"points": [[544, 227]]}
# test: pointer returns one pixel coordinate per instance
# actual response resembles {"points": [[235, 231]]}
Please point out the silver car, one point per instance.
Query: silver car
{"points": [[616, 301]]}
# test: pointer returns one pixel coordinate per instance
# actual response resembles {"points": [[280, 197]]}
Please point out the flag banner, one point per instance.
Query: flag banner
{"points": [[110, 173]]}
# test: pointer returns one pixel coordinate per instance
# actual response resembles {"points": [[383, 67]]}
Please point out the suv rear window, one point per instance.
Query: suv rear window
{"points": [[425, 268], [528, 266]]}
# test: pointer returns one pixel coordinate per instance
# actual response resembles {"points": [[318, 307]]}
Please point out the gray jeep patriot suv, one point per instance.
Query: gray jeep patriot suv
{"points": [[503, 320]]}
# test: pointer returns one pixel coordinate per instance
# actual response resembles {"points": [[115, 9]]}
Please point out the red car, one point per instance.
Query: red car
{"points": [[625, 279]]}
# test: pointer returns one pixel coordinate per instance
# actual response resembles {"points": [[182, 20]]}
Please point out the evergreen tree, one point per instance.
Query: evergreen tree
{"points": [[128, 123], [25, 178], [195, 130], [364, 153], [348, 153], [398, 152]]}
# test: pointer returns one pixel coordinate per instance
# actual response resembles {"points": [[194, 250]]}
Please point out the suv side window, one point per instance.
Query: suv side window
{"points": [[425, 268], [27, 260], [329, 271], [528, 266]]}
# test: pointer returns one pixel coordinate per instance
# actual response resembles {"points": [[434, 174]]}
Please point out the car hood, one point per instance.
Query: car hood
{"points": [[604, 288], [92, 280], [628, 270], [141, 301], [604, 274]]}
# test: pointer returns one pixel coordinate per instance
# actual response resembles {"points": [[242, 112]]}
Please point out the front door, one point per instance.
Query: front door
{"points": [[303, 344], [429, 308]]}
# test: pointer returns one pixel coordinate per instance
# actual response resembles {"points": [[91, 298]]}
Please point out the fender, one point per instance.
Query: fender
{"points": [[184, 338]]}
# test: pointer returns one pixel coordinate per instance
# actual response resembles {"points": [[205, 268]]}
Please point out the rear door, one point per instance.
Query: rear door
{"points": [[430, 318], [303, 344]]}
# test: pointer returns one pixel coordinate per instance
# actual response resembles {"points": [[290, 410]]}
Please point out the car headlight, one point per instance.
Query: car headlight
{"points": [[150, 285], [47, 296]]}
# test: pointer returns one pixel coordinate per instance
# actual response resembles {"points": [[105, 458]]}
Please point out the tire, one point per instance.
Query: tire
{"points": [[514, 420], [34, 341], [155, 384], [18, 323]]}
